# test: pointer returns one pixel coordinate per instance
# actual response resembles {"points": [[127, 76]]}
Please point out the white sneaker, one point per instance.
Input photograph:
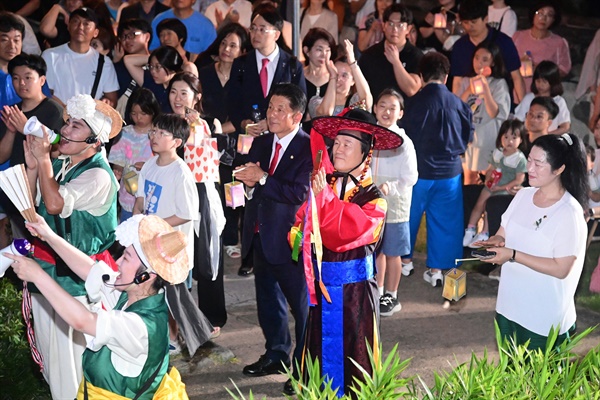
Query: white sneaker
{"points": [[174, 347], [435, 279], [470, 234], [408, 269], [479, 238]]}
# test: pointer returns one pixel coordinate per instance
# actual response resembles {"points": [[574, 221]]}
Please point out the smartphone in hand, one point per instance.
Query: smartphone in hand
{"points": [[483, 254]]}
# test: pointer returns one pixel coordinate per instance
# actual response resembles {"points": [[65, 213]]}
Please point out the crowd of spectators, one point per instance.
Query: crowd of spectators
{"points": [[467, 90]]}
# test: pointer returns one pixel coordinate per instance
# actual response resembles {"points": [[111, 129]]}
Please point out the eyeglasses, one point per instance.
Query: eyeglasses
{"points": [[545, 15], [536, 116], [155, 67], [153, 132], [261, 29], [129, 36], [397, 25]]}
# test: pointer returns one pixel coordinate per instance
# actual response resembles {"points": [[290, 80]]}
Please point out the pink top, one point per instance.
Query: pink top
{"points": [[552, 48]]}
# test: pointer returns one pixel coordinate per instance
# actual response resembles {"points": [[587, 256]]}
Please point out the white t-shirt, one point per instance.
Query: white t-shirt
{"points": [[508, 17], [534, 300], [242, 7], [398, 168], [563, 110], [170, 190], [70, 73]]}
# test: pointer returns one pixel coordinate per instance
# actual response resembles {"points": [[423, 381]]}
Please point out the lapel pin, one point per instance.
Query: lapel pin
{"points": [[292, 157]]}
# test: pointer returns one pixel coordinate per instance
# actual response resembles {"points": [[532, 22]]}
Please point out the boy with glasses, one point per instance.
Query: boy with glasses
{"points": [[134, 37], [255, 73], [393, 62]]}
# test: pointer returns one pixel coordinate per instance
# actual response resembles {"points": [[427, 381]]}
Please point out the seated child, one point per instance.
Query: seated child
{"points": [[509, 159]]}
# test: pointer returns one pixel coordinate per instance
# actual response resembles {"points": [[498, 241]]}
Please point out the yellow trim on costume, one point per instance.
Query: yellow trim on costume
{"points": [[96, 393], [171, 388]]}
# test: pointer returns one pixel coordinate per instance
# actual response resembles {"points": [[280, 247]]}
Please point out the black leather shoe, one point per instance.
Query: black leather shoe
{"points": [[264, 366], [288, 388], [245, 270]]}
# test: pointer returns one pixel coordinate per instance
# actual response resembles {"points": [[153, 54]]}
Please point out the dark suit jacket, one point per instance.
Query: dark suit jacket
{"points": [[274, 205], [244, 89]]}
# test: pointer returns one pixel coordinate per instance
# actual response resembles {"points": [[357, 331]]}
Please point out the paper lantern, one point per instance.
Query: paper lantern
{"points": [[130, 179], [526, 68], [244, 143], [476, 85], [439, 20], [455, 285], [234, 194]]}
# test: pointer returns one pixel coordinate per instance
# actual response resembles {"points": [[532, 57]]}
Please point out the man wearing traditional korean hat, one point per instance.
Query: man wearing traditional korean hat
{"points": [[347, 211], [126, 331], [77, 195]]}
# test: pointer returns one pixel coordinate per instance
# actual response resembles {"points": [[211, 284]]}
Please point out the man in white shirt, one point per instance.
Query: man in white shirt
{"points": [[72, 67]]}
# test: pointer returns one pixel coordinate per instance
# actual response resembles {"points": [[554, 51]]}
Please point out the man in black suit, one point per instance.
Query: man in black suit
{"points": [[244, 87], [277, 179], [253, 75]]}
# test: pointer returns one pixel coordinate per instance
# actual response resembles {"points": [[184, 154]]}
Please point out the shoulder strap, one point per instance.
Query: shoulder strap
{"points": [[502, 18], [148, 383], [303, 15], [97, 77]]}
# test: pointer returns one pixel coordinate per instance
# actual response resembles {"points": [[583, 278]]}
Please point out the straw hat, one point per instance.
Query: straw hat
{"points": [[357, 120], [160, 248], [164, 248], [104, 121]]}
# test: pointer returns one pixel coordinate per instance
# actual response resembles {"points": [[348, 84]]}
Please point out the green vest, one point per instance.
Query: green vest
{"points": [[90, 234], [97, 365]]}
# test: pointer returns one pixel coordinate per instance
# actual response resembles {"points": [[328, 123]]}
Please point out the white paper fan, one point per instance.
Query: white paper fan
{"points": [[15, 184]]}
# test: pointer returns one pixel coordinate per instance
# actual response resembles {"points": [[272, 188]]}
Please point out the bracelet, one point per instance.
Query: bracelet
{"points": [[352, 63], [514, 254]]}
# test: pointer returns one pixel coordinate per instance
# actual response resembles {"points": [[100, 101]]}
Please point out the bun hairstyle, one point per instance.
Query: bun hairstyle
{"points": [[567, 149]]}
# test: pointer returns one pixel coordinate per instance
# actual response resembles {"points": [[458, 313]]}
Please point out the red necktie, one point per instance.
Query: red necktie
{"points": [[264, 76], [275, 158]]}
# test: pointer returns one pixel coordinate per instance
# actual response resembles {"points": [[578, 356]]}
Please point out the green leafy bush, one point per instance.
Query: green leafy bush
{"points": [[555, 373], [19, 375]]}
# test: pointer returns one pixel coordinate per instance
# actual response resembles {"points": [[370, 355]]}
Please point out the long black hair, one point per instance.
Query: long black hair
{"points": [[206, 57], [567, 150]]}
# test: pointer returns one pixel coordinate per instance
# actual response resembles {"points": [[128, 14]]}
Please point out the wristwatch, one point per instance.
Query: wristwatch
{"points": [[263, 179], [514, 254]]}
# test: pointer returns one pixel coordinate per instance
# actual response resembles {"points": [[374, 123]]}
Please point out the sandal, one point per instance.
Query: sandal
{"points": [[233, 251], [216, 332]]}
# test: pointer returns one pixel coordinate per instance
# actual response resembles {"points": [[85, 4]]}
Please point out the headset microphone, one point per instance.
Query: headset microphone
{"points": [[89, 140], [141, 278]]}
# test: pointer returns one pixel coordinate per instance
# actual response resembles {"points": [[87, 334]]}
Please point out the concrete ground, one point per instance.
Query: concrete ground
{"points": [[436, 339]]}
